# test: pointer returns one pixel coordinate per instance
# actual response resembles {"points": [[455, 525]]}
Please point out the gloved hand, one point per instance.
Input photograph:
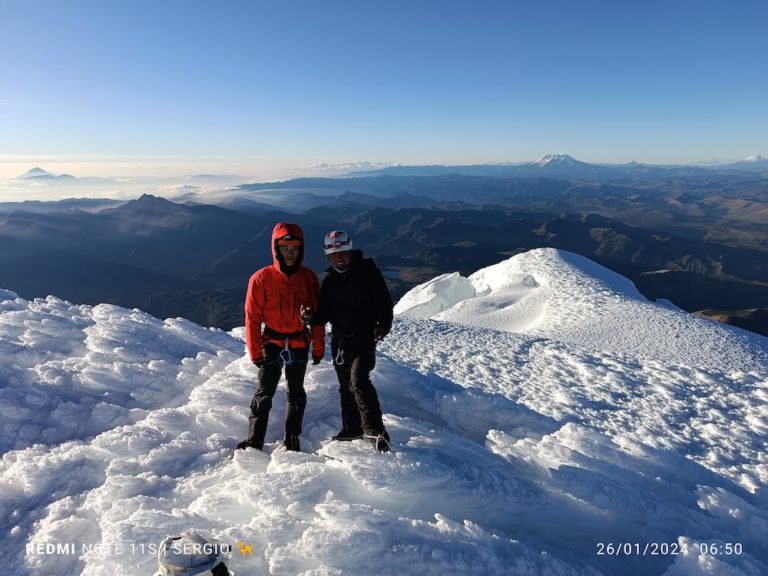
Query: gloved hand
{"points": [[379, 333], [306, 313], [258, 362], [316, 360]]}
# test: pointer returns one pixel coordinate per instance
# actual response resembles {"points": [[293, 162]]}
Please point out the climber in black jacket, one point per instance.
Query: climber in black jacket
{"points": [[355, 299]]}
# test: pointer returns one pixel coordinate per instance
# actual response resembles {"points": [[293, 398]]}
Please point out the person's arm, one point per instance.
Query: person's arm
{"points": [[323, 313], [384, 304], [318, 330], [254, 316]]}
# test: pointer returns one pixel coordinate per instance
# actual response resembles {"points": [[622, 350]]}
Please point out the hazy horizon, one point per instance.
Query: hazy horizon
{"points": [[268, 90], [254, 171]]}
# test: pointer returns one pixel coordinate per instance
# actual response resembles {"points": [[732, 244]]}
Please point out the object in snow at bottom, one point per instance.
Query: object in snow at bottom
{"points": [[191, 554]]}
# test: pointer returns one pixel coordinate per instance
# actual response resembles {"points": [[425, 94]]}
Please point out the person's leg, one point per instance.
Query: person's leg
{"points": [[296, 399], [364, 393], [368, 401], [351, 424], [269, 376]]}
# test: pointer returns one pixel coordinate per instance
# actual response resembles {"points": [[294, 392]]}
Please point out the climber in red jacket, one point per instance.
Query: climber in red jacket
{"points": [[275, 297]]}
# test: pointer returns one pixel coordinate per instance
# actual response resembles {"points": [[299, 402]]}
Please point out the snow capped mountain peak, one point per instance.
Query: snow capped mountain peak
{"points": [[756, 158], [35, 172], [554, 159], [43, 176], [566, 297]]}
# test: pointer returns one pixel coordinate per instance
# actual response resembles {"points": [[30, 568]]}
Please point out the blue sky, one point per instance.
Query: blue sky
{"points": [[254, 84]]}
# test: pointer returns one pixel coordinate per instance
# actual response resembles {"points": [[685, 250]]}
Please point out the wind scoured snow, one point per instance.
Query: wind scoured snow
{"points": [[7, 295], [561, 296], [70, 372], [434, 296], [513, 453]]}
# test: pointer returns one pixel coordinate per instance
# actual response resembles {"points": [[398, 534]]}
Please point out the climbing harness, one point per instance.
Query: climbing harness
{"points": [[286, 356]]}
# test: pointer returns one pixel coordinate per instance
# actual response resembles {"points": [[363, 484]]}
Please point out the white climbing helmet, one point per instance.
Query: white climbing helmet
{"points": [[336, 241]]}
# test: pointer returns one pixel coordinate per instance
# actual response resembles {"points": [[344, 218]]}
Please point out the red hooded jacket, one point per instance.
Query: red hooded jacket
{"points": [[274, 299]]}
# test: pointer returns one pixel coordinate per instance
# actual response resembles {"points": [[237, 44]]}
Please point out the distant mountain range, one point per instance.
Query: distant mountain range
{"points": [[564, 166], [758, 162], [194, 260], [550, 177], [40, 174], [147, 252], [696, 236], [45, 183], [561, 166]]}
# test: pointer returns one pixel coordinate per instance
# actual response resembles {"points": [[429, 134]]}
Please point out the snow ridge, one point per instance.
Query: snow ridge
{"points": [[555, 294]]}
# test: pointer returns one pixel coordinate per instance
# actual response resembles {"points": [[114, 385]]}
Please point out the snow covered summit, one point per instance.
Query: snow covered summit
{"points": [[562, 296], [527, 451], [35, 172], [554, 159]]}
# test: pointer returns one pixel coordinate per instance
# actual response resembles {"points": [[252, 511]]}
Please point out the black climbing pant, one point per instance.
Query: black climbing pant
{"points": [[360, 408], [296, 400]]}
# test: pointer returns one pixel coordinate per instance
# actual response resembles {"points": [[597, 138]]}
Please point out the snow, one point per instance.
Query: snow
{"points": [[6, 295], [553, 159], [433, 297], [526, 440], [558, 295]]}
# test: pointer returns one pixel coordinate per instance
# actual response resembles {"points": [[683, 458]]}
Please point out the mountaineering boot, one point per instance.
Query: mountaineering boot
{"points": [[346, 434], [291, 443], [249, 443], [379, 440]]}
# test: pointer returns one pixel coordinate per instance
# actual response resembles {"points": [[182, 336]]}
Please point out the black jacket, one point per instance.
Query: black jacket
{"points": [[355, 301]]}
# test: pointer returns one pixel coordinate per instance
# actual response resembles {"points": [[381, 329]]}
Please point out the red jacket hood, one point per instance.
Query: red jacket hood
{"points": [[282, 229]]}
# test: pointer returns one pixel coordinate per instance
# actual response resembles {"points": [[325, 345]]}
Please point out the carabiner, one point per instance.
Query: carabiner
{"points": [[286, 356], [339, 359]]}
